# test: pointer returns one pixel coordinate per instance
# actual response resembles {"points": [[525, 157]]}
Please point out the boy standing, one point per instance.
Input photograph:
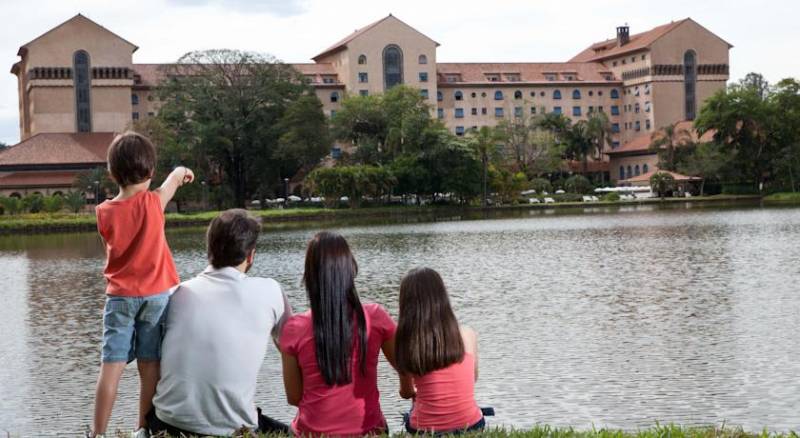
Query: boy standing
{"points": [[139, 272]]}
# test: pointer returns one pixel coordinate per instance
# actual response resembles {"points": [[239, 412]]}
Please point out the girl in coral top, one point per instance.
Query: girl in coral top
{"points": [[441, 356], [330, 353]]}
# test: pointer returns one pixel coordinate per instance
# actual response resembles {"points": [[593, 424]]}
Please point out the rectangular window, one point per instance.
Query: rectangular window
{"points": [[362, 77], [498, 112], [474, 111], [590, 109], [459, 113], [135, 116], [533, 110], [440, 113], [614, 110], [333, 113], [615, 127], [576, 111], [600, 108], [484, 111], [614, 144], [134, 99], [638, 126], [363, 92], [518, 111], [557, 110], [459, 130], [647, 106], [151, 114], [423, 76], [424, 93], [647, 124], [336, 153]]}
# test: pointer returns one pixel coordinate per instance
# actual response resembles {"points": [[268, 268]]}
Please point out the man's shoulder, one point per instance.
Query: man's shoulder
{"points": [[262, 283]]}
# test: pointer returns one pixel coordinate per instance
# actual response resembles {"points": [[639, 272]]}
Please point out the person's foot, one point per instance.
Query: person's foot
{"points": [[89, 434], [141, 433]]}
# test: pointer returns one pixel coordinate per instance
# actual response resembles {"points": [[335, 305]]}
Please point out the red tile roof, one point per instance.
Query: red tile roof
{"points": [[57, 148], [150, 75], [609, 48], [474, 72], [642, 143], [646, 177], [37, 179]]}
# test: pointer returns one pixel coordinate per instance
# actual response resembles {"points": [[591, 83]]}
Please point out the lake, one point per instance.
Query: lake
{"points": [[615, 317]]}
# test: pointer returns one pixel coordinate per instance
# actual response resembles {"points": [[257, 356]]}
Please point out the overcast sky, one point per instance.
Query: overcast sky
{"points": [[765, 34]]}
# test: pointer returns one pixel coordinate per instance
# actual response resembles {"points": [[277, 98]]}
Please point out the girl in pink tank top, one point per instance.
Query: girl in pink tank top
{"points": [[441, 357]]}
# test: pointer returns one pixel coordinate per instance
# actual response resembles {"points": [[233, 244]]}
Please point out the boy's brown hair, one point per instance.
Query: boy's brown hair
{"points": [[131, 158]]}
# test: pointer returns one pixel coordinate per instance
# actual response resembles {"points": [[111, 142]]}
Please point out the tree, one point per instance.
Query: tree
{"points": [[53, 204], [508, 184], [96, 181], [578, 184], [11, 205], [580, 144], [745, 121], [232, 108], [599, 132], [707, 160], [665, 142], [662, 183], [305, 139], [528, 148], [3, 145], [484, 142]]}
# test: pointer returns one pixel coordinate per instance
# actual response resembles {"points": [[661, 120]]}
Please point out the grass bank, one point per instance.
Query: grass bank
{"points": [[544, 431], [68, 222], [784, 198]]}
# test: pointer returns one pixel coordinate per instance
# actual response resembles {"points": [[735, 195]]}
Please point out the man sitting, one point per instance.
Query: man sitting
{"points": [[217, 330]]}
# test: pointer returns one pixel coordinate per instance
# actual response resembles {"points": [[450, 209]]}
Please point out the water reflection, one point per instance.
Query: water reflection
{"points": [[590, 318]]}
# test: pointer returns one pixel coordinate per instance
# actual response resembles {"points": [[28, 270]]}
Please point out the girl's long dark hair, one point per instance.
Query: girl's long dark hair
{"points": [[336, 310], [428, 337]]}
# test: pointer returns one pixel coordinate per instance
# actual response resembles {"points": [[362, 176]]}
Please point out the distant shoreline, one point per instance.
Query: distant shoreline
{"points": [[43, 223]]}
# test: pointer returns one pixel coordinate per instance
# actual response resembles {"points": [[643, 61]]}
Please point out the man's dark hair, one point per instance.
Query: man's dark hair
{"points": [[131, 159], [231, 237]]}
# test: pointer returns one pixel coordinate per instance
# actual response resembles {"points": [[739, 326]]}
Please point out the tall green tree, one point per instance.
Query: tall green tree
{"points": [[484, 142], [666, 142], [233, 107], [529, 148], [599, 132], [706, 160], [580, 144]]}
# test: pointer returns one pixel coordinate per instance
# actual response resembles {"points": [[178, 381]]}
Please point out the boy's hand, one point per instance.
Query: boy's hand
{"points": [[188, 175]]}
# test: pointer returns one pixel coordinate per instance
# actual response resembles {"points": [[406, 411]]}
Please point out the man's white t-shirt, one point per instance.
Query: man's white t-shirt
{"points": [[217, 330]]}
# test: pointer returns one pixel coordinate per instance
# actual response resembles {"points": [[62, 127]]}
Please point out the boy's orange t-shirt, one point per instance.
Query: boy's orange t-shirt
{"points": [[139, 262]]}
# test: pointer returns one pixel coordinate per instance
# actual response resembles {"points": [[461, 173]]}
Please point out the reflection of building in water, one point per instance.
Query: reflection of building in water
{"points": [[79, 77]]}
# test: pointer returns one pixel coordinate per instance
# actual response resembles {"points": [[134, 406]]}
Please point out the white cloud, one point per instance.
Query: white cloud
{"points": [[506, 30]]}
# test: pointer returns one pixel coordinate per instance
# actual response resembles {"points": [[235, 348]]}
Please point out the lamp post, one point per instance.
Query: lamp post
{"points": [[97, 193], [205, 194], [285, 192]]}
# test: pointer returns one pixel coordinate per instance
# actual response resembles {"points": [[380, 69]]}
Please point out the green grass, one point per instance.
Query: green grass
{"points": [[788, 197], [658, 431], [280, 218]]}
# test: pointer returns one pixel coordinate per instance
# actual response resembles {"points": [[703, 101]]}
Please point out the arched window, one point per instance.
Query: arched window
{"points": [[636, 171], [58, 193], [83, 84], [16, 195], [423, 59], [335, 96], [362, 59], [645, 169], [392, 66], [615, 93], [557, 94], [621, 172], [630, 172], [458, 95], [498, 95], [689, 83], [518, 94], [439, 96], [576, 94]]}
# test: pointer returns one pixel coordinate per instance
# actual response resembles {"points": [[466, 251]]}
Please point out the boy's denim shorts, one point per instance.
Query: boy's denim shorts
{"points": [[133, 327]]}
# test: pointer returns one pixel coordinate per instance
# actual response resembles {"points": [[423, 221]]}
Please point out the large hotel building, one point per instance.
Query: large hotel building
{"points": [[78, 85]]}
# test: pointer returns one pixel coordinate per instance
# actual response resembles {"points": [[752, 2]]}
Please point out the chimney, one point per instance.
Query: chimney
{"points": [[623, 35]]}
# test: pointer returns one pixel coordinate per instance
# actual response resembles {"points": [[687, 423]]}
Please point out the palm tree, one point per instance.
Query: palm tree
{"points": [[580, 144], [599, 130], [665, 141], [484, 142], [557, 124]]}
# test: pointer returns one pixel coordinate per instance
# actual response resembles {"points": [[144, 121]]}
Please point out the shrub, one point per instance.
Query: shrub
{"points": [[662, 183], [611, 197], [578, 184], [739, 189], [355, 182], [53, 204], [541, 185], [74, 201], [33, 203], [11, 205]]}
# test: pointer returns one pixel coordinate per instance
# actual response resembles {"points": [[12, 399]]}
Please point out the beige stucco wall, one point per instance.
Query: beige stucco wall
{"points": [[640, 160], [52, 109], [372, 43], [56, 48]]}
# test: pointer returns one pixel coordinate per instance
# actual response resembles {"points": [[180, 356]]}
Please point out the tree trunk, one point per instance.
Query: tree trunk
{"points": [[485, 176], [702, 186]]}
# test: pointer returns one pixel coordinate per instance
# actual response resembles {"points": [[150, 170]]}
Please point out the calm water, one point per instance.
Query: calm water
{"points": [[687, 315]]}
